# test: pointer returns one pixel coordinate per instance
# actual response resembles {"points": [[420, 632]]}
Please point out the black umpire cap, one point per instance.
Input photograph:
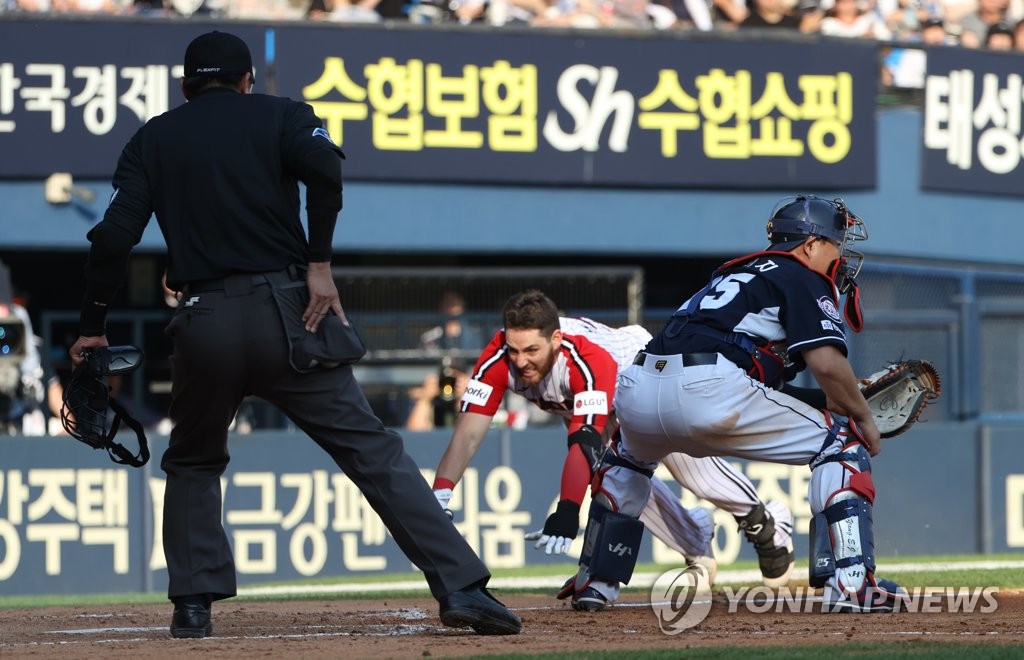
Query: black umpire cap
{"points": [[217, 54]]}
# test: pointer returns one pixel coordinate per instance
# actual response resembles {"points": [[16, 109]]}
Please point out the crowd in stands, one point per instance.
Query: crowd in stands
{"points": [[982, 24], [992, 24]]}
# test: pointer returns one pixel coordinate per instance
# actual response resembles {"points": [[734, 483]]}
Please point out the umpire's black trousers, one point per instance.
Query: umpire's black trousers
{"points": [[229, 344]]}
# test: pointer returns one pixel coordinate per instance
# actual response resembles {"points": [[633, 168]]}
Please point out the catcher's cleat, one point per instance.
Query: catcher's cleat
{"points": [[589, 600], [769, 527], [191, 621], [877, 595]]}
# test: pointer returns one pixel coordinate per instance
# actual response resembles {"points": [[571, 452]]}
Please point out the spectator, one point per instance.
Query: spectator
{"points": [[771, 14], [905, 67], [453, 332], [597, 14], [344, 11], [847, 18], [906, 21], [728, 14], [975, 26], [1018, 35], [177, 8], [680, 15], [1000, 37]]}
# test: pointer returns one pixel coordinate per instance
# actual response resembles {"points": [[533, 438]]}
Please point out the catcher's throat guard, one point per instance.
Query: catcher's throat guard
{"points": [[87, 399]]}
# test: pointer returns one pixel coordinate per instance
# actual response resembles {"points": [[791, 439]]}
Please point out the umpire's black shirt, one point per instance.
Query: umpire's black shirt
{"points": [[220, 172]]}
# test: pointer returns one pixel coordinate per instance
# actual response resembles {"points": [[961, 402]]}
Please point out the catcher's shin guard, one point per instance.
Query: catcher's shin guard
{"points": [[853, 542], [611, 543], [841, 538], [821, 563]]}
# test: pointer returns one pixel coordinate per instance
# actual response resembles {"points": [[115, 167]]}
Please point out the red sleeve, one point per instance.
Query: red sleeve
{"points": [[575, 476], [489, 380], [592, 374]]}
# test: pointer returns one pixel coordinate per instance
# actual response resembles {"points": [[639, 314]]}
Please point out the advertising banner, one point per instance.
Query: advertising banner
{"points": [[475, 105], [972, 122]]}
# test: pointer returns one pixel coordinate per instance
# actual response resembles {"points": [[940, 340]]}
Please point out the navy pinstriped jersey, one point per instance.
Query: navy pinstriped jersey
{"points": [[580, 386], [772, 297]]}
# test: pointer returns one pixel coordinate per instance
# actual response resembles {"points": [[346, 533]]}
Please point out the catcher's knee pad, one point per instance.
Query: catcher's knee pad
{"points": [[852, 459], [611, 544], [621, 485], [838, 442]]}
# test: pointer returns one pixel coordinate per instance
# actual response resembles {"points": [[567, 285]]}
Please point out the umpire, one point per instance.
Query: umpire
{"points": [[221, 174]]}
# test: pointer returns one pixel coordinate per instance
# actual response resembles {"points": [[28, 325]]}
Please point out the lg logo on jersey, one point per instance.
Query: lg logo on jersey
{"points": [[591, 402]]}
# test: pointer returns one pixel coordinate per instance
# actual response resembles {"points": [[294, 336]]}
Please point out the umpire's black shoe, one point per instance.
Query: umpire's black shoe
{"points": [[191, 620], [475, 607]]}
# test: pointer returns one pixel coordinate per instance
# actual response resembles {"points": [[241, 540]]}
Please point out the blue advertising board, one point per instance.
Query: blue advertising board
{"points": [[482, 106], [972, 122]]}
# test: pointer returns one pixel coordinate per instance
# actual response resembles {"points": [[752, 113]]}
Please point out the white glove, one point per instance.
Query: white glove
{"points": [[444, 495], [553, 545]]}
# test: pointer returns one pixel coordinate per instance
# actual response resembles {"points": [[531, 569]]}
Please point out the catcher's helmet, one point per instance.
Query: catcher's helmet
{"points": [[795, 219]]}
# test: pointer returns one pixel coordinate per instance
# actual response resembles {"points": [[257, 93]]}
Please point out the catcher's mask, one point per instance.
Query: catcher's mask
{"points": [[794, 219], [87, 398]]}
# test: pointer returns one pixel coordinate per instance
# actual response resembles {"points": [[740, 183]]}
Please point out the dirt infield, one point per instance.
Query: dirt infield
{"points": [[406, 628]]}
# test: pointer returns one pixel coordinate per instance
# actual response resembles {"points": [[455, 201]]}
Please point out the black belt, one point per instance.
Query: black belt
{"points": [[242, 282], [689, 359]]}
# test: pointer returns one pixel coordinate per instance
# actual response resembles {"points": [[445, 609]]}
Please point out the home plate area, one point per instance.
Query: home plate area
{"points": [[408, 627]]}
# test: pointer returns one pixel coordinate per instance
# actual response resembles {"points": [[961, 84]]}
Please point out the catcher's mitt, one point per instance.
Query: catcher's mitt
{"points": [[899, 393]]}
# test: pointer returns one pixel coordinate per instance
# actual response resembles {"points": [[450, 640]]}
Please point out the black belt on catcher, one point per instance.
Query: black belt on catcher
{"points": [[242, 283], [689, 359]]}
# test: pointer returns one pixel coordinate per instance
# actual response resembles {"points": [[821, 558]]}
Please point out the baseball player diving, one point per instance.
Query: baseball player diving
{"points": [[714, 382], [568, 367]]}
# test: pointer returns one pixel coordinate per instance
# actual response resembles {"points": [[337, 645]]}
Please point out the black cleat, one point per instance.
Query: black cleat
{"points": [[475, 607], [191, 621]]}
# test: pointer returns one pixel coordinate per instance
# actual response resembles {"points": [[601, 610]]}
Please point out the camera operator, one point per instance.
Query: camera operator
{"points": [[21, 371], [435, 403]]}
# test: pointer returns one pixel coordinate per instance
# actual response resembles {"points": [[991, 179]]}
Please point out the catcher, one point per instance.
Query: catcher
{"points": [[715, 381]]}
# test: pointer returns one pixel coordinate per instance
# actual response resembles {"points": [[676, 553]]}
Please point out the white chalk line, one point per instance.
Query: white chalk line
{"points": [[639, 579]]}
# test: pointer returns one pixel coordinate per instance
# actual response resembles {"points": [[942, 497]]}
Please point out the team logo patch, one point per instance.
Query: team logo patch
{"points": [[828, 325], [590, 403], [477, 393], [660, 364], [828, 306], [322, 132]]}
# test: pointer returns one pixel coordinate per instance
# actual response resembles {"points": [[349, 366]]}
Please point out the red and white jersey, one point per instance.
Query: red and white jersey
{"points": [[580, 386], [623, 343]]}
